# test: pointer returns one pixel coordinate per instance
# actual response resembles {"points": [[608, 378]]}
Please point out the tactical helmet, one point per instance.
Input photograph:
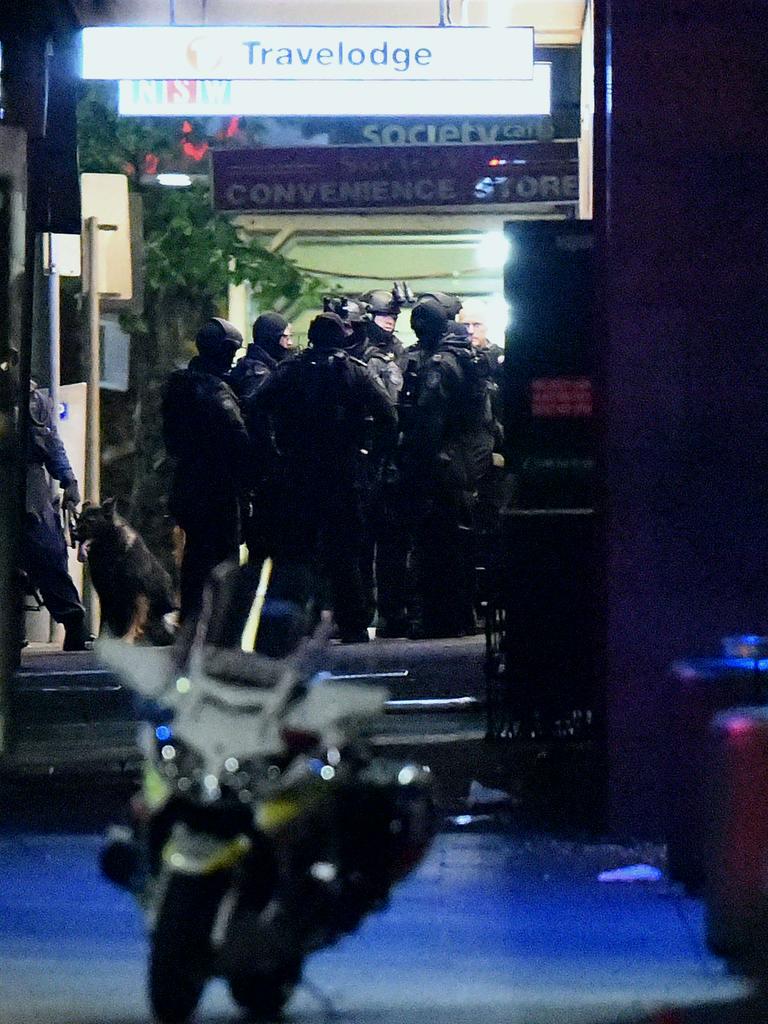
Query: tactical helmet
{"points": [[327, 331], [450, 304], [268, 329], [218, 338], [349, 310], [429, 319], [382, 303]]}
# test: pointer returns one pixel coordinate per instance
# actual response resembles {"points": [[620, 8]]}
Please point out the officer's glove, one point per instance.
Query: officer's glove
{"points": [[71, 494]]}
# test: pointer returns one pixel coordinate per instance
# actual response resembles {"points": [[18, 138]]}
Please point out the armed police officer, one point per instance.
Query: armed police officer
{"points": [[44, 548], [382, 311], [381, 351], [447, 447], [319, 406], [204, 432], [376, 346], [272, 343]]}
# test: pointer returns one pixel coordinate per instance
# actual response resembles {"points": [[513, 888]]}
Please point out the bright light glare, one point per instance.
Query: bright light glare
{"points": [[499, 318], [492, 250], [174, 180]]}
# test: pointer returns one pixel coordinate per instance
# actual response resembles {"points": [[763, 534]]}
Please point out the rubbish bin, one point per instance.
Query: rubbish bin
{"points": [[736, 890], [702, 687]]}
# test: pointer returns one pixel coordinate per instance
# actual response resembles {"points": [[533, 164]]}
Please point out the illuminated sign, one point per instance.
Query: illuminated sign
{"points": [[333, 178], [195, 97], [321, 54]]}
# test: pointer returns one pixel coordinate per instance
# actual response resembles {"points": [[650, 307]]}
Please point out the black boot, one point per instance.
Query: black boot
{"points": [[76, 636]]}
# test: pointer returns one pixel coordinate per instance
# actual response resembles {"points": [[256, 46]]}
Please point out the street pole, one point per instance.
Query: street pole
{"points": [[93, 430], [93, 402], [54, 325], [54, 355]]}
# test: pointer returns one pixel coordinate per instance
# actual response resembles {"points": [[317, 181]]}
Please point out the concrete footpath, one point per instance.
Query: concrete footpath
{"points": [[497, 925], [69, 713], [505, 922]]}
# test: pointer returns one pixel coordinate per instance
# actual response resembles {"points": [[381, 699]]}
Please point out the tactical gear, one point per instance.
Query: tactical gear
{"points": [[205, 433], [318, 406], [350, 310], [450, 304], [249, 373], [267, 330], [327, 331], [448, 440], [218, 339], [72, 494], [382, 303], [428, 320]]}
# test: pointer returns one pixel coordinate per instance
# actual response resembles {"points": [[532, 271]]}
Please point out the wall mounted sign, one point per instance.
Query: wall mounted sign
{"points": [[334, 178], [561, 397], [308, 54], [191, 97]]}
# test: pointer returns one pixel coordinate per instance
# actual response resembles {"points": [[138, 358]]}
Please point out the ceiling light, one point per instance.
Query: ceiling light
{"points": [[492, 250], [174, 180]]}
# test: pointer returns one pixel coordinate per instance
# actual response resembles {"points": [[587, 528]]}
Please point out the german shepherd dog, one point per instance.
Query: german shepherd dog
{"points": [[135, 591]]}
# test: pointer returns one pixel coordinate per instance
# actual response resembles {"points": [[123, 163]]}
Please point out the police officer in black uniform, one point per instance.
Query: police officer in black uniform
{"points": [[205, 433], [44, 549], [382, 310], [319, 406], [272, 342], [447, 447], [381, 549]]}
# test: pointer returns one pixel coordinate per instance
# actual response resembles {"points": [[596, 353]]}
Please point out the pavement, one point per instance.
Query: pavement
{"points": [[497, 925], [505, 920]]}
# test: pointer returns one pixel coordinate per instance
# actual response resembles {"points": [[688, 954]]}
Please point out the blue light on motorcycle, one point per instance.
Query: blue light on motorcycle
{"points": [[163, 732]]}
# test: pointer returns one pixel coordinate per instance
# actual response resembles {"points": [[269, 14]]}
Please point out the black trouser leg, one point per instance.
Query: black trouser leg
{"points": [[444, 571], [206, 545], [44, 557], [340, 544], [392, 575]]}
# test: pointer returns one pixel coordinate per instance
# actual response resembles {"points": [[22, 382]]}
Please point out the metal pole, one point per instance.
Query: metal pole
{"points": [[54, 325], [54, 358], [93, 429]]}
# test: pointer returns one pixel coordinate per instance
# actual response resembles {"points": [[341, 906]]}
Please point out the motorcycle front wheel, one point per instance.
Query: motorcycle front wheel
{"points": [[181, 957], [263, 995]]}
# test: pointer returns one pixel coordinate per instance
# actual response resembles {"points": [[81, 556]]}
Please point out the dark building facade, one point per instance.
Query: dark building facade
{"points": [[682, 236]]}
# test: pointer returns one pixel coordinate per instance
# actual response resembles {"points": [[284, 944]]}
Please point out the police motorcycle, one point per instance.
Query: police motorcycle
{"points": [[265, 827]]}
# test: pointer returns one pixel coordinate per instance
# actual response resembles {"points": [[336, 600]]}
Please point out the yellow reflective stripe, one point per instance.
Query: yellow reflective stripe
{"points": [[226, 857], [276, 813], [251, 628], [154, 787]]}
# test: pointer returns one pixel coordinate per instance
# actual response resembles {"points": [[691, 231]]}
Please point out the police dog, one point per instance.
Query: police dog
{"points": [[135, 591]]}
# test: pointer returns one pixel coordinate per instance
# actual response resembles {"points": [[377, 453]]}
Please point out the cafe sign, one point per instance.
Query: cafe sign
{"points": [[355, 178], [308, 54]]}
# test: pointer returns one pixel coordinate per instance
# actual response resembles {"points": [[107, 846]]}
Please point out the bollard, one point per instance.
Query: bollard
{"points": [[702, 687], [736, 888]]}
